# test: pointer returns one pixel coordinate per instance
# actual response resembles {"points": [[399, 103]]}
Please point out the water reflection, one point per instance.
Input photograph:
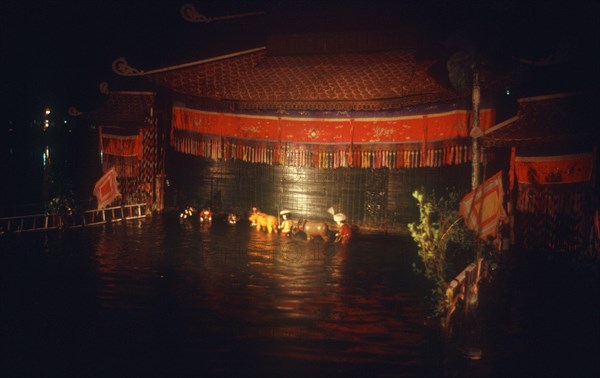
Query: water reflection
{"points": [[228, 299]]}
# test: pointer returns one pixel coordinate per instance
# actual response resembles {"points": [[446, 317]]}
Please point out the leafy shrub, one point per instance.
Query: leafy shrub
{"points": [[445, 244]]}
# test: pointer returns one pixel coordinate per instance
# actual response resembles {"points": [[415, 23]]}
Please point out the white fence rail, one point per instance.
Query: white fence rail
{"points": [[463, 292], [40, 222]]}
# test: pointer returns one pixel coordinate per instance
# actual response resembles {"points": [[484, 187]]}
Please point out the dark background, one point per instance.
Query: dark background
{"points": [[56, 52]]}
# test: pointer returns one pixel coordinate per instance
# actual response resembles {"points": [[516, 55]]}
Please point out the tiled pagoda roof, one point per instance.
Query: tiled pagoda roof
{"points": [[125, 110], [254, 79], [550, 121]]}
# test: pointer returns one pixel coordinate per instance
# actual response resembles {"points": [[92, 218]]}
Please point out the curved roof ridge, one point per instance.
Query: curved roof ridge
{"points": [[121, 67]]}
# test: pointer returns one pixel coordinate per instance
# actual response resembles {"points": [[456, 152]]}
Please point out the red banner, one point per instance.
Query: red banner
{"points": [[561, 169], [483, 208], [106, 189], [395, 142], [121, 145], [398, 129]]}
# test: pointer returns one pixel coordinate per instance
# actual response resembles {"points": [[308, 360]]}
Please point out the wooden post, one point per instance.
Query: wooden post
{"points": [[470, 288], [475, 133]]}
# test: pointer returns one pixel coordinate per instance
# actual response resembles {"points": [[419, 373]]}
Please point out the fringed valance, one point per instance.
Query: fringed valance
{"points": [[394, 156], [121, 145], [562, 169], [430, 140], [123, 165], [570, 199], [552, 184], [123, 152]]}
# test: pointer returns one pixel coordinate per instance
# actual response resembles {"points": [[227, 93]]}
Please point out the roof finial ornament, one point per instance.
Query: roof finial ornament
{"points": [[121, 67], [190, 14], [74, 112], [104, 88]]}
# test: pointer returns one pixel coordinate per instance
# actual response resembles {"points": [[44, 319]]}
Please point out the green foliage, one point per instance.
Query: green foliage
{"points": [[63, 205], [445, 245]]}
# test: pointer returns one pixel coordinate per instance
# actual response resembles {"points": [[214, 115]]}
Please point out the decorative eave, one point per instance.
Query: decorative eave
{"points": [[190, 14], [550, 121], [121, 67]]}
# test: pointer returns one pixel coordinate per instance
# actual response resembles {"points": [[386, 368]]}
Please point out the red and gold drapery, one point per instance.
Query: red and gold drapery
{"points": [[483, 208], [561, 169], [106, 189], [553, 184], [554, 198], [123, 152], [431, 140]]}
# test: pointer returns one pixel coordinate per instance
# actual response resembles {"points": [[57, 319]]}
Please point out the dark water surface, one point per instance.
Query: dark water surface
{"points": [[158, 298]]}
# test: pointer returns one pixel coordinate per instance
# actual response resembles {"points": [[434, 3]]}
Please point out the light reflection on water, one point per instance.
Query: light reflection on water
{"points": [[156, 297]]}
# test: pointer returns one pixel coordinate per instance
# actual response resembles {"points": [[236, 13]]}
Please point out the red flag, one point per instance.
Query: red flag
{"points": [[562, 169], [483, 208], [106, 189], [121, 145]]}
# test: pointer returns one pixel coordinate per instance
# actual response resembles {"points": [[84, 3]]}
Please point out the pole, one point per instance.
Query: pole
{"points": [[475, 133]]}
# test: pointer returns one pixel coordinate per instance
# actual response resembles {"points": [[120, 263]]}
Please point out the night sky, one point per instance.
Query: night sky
{"points": [[57, 52], [60, 51]]}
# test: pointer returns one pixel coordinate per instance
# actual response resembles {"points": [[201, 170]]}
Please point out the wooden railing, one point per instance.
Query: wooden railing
{"points": [[463, 292], [41, 222]]}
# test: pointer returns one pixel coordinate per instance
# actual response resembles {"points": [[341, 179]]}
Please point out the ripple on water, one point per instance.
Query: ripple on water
{"points": [[224, 294]]}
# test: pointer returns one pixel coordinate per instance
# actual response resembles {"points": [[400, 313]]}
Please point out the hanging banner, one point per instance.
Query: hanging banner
{"points": [[561, 169], [106, 189], [121, 145], [396, 129], [482, 209], [394, 142]]}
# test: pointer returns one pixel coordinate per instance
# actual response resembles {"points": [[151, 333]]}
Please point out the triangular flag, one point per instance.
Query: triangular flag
{"points": [[483, 208], [106, 189]]}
